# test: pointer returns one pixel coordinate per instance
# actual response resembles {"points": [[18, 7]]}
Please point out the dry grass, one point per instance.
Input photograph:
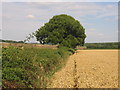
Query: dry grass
{"points": [[89, 69], [28, 45]]}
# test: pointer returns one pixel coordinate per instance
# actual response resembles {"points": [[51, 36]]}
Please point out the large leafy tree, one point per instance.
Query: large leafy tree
{"points": [[63, 30]]}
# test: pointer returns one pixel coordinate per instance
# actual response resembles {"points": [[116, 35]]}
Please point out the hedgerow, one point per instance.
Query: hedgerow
{"points": [[28, 67]]}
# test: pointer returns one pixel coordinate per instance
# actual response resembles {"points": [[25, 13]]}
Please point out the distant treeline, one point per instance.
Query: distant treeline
{"points": [[11, 41], [111, 45]]}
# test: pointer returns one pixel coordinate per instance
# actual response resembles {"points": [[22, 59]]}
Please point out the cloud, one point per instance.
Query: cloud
{"points": [[92, 29], [100, 34], [108, 11], [101, 37], [81, 8], [110, 6], [30, 16]]}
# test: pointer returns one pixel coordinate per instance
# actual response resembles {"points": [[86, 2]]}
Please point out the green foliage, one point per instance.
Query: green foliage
{"points": [[70, 42], [63, 30], [11, 41], [70, 50], [112, 45], [30, 67]]}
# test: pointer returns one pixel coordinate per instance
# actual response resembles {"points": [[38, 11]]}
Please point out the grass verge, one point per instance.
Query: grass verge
{"points": [[26, 67]]}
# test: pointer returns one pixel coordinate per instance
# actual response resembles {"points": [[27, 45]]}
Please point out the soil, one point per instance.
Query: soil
{"points": [[88, 69]]}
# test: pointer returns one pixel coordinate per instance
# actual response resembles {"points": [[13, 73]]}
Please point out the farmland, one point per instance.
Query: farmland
{"points": [[28, 45], [88, 69], [41, 66]]}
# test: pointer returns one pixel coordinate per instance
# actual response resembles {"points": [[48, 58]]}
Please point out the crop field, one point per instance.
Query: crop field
{"points": [[89, 69]]}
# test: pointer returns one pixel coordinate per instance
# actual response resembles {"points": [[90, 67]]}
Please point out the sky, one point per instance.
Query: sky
{"points": [[100, 19], [60, 0]]}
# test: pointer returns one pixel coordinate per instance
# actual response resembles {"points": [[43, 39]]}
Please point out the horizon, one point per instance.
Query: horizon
{"points": [[85, 42]]}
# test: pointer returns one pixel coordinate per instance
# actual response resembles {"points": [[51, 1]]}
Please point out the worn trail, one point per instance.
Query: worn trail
{"points": [[88, 69]]}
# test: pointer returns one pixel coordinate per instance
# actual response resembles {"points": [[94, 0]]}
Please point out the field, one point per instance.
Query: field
{"points": [[28, 45], [89, 69], [39, 66]]}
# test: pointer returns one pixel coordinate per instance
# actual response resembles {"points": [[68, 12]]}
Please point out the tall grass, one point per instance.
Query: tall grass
{"points": [[31, 67]]}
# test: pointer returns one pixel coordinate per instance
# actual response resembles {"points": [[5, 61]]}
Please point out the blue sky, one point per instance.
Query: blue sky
{"points": [[100, 19]]}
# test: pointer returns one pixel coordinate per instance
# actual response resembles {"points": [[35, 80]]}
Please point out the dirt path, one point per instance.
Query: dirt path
{"points": [[89, 69]]}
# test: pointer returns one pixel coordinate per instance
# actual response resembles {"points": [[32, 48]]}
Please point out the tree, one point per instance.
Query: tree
{"points": [[62, 30]]}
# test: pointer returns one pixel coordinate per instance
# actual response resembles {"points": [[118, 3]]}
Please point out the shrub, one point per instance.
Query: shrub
{"points": [[30, 67]]}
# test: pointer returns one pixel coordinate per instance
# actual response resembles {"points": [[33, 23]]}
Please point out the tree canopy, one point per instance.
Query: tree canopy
{"points": [[62, 30]]}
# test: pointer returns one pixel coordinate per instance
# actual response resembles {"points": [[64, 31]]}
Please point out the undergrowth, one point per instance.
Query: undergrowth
{"points": [[26, 67]]}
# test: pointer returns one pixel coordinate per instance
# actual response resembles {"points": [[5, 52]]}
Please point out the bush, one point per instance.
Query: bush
{"points": [[30, 67]]}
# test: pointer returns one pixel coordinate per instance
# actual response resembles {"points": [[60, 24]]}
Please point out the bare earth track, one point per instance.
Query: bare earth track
{"points": [[88, 69]]}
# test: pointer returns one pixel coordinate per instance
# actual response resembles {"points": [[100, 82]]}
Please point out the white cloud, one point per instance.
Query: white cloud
{"points": [[100, 34], [30, 16], [92, 29], [107, 14], [110, 6], [82, 8], [40, 12]]}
